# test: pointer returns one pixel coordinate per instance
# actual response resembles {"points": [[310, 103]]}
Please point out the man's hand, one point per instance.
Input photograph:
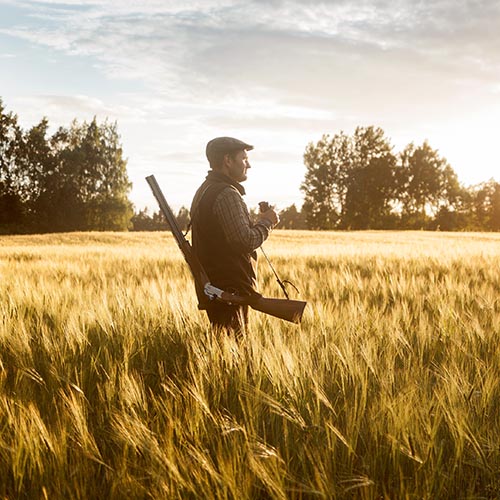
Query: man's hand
{"points": [[268, 214]]}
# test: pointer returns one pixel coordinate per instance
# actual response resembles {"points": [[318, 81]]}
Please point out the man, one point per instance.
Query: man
{"points": [[223, 236]]}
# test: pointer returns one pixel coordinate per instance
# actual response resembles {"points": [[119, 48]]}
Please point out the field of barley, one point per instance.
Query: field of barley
{"points": [[112, 385]]}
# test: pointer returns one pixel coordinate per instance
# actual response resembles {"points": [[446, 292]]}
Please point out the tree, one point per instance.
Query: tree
{"points": [[350, 181], [142, 221], [85, 187], [427, 183], [495, 208], [183, 218], [371, 182], [39, 164], [484, 206], [12, 208], [291, 218], [325, 187], [74, 180]]}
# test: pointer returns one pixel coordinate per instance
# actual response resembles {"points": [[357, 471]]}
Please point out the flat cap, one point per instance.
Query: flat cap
{"points": [[218, 147]]}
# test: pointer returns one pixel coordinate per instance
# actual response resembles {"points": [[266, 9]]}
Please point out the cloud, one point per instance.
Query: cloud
{"points": [[276, 72], [322, 53], [62, 109], [213, 54]]}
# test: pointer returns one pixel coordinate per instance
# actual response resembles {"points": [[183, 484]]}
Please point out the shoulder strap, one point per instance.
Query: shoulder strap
{"points": [[200, 194]]}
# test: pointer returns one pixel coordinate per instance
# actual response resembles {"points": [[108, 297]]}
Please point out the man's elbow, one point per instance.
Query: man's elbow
{"points": [[249, 242], [245, 246]]}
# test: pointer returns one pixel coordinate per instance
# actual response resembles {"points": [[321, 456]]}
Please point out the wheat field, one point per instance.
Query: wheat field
{"points": [[113, 386]]}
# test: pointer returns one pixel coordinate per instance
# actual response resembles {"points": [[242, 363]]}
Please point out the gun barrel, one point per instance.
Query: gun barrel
{"points": [[199, 274]]}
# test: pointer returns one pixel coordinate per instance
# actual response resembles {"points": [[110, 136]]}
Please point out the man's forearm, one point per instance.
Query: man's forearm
{"points": [[233, 215]]}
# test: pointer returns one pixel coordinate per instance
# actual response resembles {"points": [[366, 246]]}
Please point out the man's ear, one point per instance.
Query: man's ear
{"points": [[226, 161]]}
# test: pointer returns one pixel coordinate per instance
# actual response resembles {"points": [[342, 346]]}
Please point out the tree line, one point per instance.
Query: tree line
{"points": [[73, 180], [76, 180], [358, 182]]}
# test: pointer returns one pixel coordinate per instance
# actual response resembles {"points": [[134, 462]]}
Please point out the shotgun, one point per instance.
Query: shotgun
{"points": [[289, 310]]}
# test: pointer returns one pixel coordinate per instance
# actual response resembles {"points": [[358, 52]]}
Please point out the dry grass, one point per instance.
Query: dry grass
{"points": [[112, 385]]}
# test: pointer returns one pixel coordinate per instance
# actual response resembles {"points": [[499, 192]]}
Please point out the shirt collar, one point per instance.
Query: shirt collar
{"points": [[214, 176]]}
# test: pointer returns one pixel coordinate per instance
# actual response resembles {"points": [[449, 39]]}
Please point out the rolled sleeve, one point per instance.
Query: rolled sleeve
{"points": [[234, 218]]}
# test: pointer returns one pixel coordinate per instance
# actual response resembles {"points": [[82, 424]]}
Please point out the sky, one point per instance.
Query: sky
{"points": [[276, 74]]}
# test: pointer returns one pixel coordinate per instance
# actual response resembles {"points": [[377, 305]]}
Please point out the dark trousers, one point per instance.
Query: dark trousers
{"points": [[228, 317]]}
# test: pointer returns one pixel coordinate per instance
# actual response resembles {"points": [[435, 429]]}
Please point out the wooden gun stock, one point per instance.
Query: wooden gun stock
{"points": [[289, 310]]}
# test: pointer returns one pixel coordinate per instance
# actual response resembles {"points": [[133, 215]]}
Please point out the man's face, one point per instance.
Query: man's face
{"points": [[237, 166]]}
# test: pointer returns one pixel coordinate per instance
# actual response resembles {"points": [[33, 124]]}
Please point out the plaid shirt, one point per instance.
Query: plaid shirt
{"points": [[232, 213]]}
